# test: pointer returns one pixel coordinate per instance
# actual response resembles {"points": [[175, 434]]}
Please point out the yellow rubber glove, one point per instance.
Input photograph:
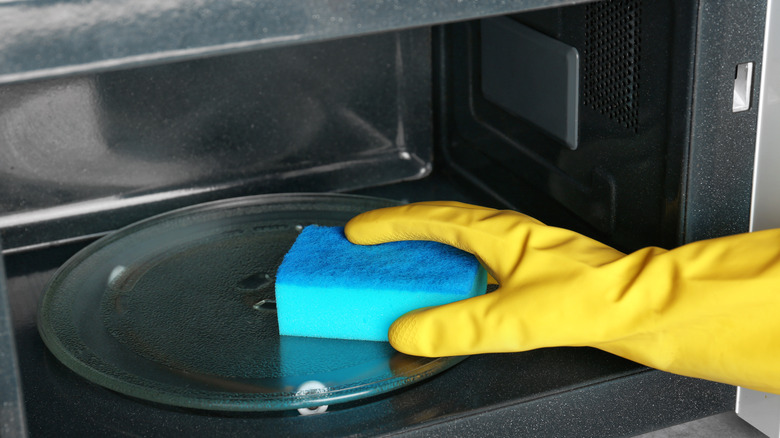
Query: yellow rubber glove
{"points": [[709, 309]]}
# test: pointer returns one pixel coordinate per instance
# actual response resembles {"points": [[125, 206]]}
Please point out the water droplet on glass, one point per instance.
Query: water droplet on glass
{"points": [[255, 281], [115, 274], [312, 387]]}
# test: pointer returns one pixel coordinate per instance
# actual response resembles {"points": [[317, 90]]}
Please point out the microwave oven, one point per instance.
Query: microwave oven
{"points": [[635, 122]]}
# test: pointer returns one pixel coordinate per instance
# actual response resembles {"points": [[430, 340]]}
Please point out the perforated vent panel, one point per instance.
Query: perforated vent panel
{"points": [[611, 60]]}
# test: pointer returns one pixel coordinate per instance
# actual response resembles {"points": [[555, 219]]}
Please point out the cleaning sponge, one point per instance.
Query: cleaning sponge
{"points": [[327, 287]]}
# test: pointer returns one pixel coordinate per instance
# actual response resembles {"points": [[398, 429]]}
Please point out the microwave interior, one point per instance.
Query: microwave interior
{"points": [[614, 118]]}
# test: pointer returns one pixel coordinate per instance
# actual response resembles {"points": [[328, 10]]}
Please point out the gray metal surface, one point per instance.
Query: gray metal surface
{"points": [[765, 211], [761, 409], [91, 153], [532, 76], [726, 424], [50, 38], [720, 169], [618, 408], [12, 421]]}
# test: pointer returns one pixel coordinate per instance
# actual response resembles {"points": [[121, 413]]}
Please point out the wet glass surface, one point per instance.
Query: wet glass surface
{"points": [[172, 310]]}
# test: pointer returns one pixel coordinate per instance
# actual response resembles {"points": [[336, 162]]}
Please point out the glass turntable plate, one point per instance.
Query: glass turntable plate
{"points": [[175, 309]]}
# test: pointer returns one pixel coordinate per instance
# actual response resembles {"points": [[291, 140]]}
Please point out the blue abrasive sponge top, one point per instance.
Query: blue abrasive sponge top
{"points": [[328, 287]]}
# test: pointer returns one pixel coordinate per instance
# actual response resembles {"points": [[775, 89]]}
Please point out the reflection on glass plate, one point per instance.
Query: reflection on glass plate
{"points": [[177, 309]]}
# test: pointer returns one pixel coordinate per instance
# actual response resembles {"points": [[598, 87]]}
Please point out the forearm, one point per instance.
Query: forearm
{"points": [[710, 311]]}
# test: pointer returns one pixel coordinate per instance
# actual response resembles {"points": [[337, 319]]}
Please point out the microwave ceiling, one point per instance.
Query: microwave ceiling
{"points": [[44, 39]]}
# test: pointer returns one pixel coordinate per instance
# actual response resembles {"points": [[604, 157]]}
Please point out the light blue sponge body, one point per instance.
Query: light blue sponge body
{"points": [[328, 287]]}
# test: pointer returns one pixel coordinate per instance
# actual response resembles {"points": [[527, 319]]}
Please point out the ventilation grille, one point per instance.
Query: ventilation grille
{"points": [[611, 60]]}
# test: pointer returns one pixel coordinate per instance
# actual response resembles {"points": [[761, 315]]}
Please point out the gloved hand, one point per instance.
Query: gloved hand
{"points": [[708, 309]]}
